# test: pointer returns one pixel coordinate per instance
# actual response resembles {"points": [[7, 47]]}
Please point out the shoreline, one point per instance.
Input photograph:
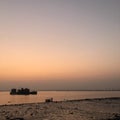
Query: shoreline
{"points": [[82, 109], [66, 100]]}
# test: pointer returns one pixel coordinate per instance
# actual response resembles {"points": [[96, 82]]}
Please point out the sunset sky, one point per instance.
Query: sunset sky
{"points": [[60, 44]]}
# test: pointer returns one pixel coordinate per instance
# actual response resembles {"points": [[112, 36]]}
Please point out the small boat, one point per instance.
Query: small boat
{"points": [[49, 100], [22, 91]]}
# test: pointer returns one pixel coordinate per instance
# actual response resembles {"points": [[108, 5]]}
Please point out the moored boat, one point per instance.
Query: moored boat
{"points": [[22, 91]]}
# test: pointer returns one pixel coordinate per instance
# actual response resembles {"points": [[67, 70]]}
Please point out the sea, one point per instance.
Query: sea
{"points": [[6, 98]]}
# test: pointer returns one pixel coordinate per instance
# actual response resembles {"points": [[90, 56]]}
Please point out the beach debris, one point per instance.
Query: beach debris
{"points": [[71, 112], [7, 118], [114, 117], [49, 100], [18, 118], [31, 114]]}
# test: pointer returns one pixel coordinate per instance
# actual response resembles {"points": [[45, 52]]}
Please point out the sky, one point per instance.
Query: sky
{"points": [[60, 44]]}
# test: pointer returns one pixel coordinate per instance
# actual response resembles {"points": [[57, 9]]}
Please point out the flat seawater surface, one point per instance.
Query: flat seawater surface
{"points": [[6, 98]]}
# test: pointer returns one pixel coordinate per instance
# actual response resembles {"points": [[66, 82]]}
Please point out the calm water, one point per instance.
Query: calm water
{"points": [[6, 98]]}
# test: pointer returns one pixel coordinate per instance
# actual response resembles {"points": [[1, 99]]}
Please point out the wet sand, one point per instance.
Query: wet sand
{"points": [[87, 109]]}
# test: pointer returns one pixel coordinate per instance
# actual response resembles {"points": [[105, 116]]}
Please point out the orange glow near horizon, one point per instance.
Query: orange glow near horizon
{"points": [[29, 67]]}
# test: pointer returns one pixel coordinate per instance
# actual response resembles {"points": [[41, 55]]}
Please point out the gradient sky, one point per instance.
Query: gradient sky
{"points": [[60, 44]]}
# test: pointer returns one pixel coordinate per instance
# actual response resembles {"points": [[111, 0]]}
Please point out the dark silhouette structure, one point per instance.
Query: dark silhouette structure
{"points": [[22, 91], [49, 100]]}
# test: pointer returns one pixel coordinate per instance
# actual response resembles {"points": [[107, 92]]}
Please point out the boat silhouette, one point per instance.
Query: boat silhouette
{"points": [[22, 91]]}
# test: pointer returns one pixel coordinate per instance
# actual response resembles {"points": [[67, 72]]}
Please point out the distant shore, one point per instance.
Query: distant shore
{"points": [[66, 90], [82, 109]]}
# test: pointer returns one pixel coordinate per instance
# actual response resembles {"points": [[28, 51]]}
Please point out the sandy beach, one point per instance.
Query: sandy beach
{"points": [[87, 109]]}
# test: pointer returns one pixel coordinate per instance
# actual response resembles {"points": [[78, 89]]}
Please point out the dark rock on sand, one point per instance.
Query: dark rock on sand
{"points": [[115, 117], [15, 118]]}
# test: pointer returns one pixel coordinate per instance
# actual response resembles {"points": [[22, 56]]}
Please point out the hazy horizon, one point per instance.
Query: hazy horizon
{"points": [[60, 44]]}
